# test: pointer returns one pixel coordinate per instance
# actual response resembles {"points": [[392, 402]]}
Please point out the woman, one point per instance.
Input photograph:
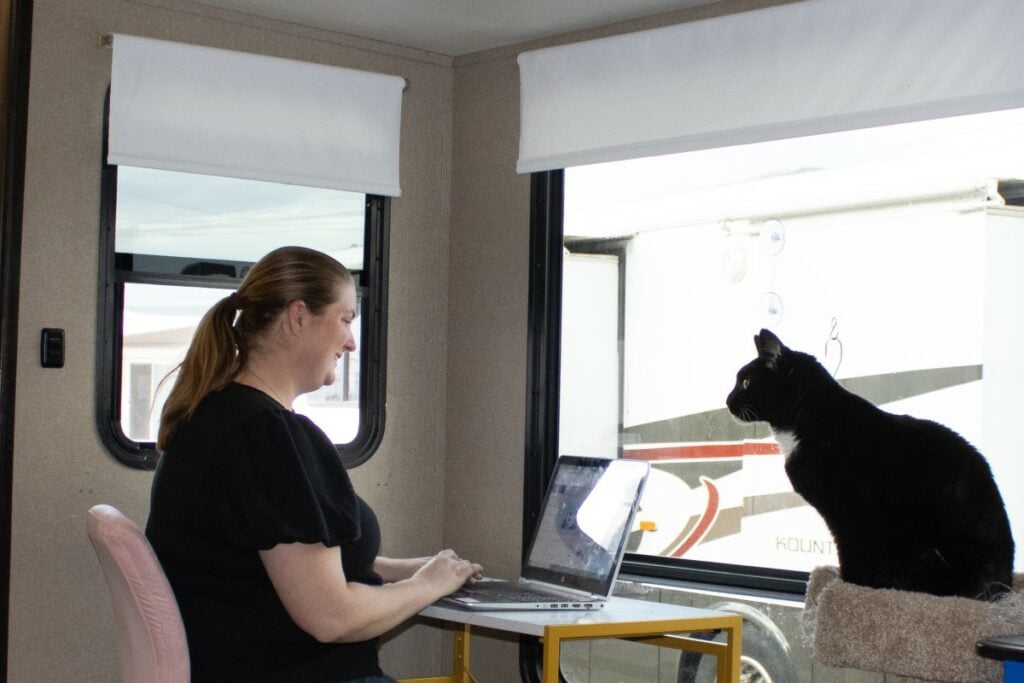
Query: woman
{"points": [[271, 554]]}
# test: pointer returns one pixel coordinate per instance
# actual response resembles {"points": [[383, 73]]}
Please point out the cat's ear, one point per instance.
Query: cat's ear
{"points": [[769, 347]]}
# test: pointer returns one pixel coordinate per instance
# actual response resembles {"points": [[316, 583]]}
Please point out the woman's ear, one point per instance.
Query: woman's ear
{"points": [[296, 316]]}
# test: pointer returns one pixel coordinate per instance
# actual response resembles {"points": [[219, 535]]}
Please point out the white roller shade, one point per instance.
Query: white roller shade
{"points": [[203, 110], [798, 69]]}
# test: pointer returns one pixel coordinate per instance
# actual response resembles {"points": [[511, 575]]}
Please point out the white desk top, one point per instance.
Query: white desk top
{"points": [[533, 622]]}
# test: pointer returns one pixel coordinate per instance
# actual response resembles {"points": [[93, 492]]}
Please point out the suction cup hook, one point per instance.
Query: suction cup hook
{"points": [[773, 237], [769, 310]]}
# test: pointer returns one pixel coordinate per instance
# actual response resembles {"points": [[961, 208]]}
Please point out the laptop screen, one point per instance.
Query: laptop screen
{"points": [[584, 522]]}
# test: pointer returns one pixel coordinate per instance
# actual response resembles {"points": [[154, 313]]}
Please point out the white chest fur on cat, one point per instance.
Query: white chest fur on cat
{"points": [[787, 441]]}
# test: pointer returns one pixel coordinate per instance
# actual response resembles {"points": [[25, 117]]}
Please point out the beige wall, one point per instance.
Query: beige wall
{"points": [[60, 623], [449, 470]]}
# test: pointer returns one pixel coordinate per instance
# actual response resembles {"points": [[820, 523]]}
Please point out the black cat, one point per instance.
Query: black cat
{"points": [[910, 504]]}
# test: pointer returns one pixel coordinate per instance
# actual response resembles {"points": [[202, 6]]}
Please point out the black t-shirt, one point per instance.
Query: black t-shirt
{"points": [[242, 475]]}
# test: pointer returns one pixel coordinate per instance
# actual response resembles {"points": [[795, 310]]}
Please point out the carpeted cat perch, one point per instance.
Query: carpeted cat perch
{"points": [[908, 634]]}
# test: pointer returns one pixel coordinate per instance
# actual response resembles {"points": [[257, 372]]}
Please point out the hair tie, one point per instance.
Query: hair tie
{"points": [[232, 299]]}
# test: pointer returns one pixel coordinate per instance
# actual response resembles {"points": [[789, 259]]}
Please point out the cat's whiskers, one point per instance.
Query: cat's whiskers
{"points": [[744, 415]]}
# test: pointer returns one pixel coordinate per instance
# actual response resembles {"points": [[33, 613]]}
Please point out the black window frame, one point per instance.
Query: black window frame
{"points": [[543, 377], [116, 270]]}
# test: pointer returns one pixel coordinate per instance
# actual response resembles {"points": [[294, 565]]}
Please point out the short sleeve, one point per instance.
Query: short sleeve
{"points": [[286, 484]]}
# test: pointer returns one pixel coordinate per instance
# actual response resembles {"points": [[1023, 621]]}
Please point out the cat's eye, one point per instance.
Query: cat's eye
{"points": [[746, 382]]}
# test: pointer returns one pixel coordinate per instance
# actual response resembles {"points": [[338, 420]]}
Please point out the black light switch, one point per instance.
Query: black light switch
{"points": [[51, 348]]}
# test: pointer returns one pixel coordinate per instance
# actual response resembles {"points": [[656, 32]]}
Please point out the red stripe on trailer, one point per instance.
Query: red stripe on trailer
{"points": [[705, 522], [698, 451]]}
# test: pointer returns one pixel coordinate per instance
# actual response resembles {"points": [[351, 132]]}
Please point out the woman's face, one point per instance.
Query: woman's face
{"points": [[328, 337]]}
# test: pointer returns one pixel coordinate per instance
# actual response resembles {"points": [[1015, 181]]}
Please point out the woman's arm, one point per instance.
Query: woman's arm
{"points": [[392, 569], [311, 584]]}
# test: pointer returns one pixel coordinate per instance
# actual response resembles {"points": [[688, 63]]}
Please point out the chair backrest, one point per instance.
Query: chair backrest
{"points": [[150, 633]]}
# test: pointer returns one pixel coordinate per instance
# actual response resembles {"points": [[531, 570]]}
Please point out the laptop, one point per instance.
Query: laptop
{"points": [[578, 543]]}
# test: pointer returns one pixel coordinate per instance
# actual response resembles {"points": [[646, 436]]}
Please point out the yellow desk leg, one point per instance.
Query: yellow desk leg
{"points": [[460, 657], [729, 664], [552, 650]]}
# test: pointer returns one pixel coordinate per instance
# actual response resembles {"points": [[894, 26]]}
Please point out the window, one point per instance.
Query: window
{"points": [[213, 158], [174, 243], [889, 253]]}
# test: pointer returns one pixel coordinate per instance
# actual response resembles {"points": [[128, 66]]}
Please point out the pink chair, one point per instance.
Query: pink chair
{"points": [[151, 635]]}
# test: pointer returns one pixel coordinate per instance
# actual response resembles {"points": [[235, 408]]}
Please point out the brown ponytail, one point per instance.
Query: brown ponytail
{"points": [[234, 325]]}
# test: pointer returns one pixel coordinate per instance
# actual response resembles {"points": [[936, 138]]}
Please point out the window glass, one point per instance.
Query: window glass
{"points": [[159, 322], [158, 326], [164, 213], [890, 254]]}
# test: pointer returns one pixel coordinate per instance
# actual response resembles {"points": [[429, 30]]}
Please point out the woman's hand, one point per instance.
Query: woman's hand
{"points": [[447, 571]]}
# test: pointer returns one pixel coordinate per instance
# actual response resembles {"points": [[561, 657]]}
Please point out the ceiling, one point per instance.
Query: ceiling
{"points": [[454, 27]]}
